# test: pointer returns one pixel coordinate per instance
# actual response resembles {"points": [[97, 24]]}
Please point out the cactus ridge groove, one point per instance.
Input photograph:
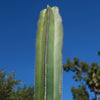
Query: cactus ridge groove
{"points": [[46, 54]]}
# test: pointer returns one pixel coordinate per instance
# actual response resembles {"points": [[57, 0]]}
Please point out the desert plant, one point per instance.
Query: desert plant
{"points": [[48, 72]]}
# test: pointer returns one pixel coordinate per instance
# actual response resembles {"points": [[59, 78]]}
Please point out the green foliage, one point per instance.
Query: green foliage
{"points": [[7, 84], [25, 93], [90, 74], [7, 88], [48, 74], [80, 93]]}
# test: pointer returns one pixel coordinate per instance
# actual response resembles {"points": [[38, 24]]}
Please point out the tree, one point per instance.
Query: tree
{"points": [[7, 84], [8, 91], [25, 93], [89, 74], [80, 93]]}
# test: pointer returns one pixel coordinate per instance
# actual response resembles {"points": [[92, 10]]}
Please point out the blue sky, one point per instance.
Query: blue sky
{"points": [[18, 27]]}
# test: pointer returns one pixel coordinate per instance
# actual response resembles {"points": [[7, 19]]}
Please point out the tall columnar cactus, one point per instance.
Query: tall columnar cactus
{"points": [[48, 73]]}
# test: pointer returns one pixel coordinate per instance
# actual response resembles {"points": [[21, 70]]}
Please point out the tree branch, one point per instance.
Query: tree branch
{"points": [[96, 90], [77, 68]]}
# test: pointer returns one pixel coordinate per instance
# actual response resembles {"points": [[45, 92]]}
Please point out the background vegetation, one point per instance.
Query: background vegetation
{"points": [[8, 91], [87, 75]]}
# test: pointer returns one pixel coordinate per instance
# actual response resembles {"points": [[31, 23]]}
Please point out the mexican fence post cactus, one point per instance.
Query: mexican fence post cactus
{"points": [[48, 70]]}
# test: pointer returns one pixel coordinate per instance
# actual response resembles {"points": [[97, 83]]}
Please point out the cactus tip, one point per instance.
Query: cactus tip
{"points": [[48, 6]]}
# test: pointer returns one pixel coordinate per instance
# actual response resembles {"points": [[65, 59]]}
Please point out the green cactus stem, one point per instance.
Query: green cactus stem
{"points": [[48, 70]]}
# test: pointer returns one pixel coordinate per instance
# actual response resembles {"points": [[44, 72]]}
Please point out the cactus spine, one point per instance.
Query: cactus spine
{"points": [[48, 71]]}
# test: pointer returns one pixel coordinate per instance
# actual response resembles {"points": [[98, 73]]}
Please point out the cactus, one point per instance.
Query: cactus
{"points": [[48, 70]]}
